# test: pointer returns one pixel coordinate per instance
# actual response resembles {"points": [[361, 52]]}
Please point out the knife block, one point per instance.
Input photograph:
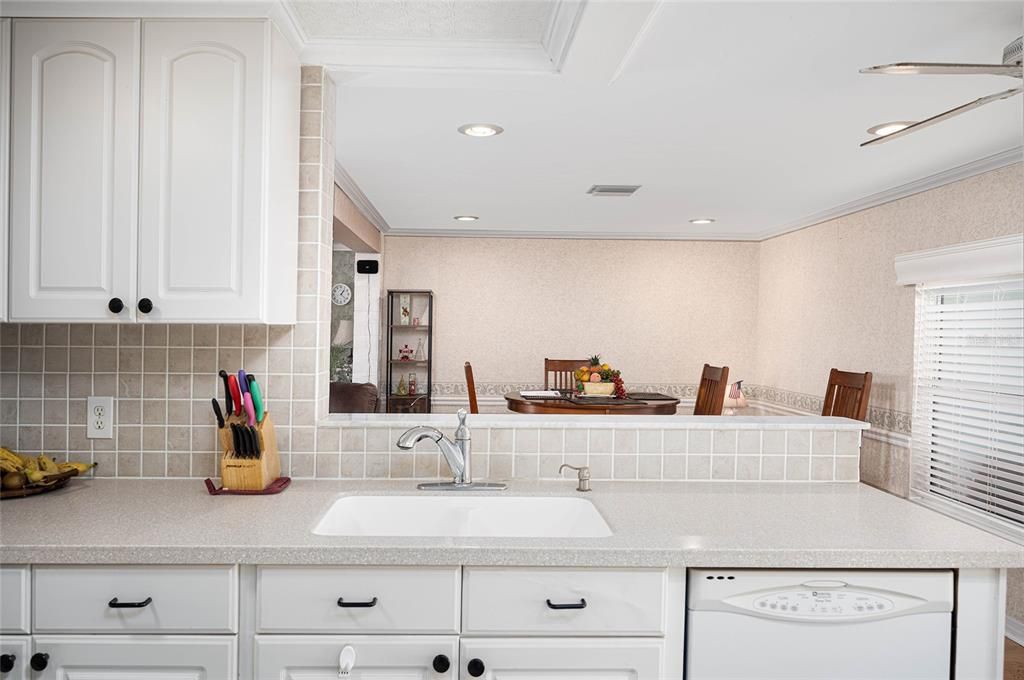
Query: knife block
{"points": [[249, 474]]}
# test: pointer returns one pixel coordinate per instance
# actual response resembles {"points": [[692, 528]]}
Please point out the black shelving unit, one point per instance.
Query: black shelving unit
{"points": [[421, 306]]}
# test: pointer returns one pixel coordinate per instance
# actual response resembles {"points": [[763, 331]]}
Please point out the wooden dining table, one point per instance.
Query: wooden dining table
{"points": [[591, 406]]}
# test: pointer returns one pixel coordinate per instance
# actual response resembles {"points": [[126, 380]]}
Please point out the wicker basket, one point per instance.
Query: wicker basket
{"points": [[602, 388]]}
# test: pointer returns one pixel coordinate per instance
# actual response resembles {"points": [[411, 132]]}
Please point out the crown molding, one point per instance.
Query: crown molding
{"points": [[960, 172], [988, 259], [282, 16], [356, 195], [572, 235], [562, 30]]}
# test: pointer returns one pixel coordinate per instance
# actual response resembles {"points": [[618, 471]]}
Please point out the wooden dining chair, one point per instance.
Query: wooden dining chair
{"points": [[714, 381], [559, 373], [847, 394], [471, 389]]}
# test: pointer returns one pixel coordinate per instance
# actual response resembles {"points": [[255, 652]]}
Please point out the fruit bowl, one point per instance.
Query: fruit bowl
{"points": [[605, 389]]}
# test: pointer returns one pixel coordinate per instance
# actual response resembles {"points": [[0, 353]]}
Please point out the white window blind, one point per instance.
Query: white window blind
{"points": [[968, 427]]}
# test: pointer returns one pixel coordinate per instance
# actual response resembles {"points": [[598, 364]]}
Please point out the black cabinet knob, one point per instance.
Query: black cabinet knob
{"points": [[441, 664], [7, 663], [475, 667], [39, 661], [115, 305], [145, 305]]}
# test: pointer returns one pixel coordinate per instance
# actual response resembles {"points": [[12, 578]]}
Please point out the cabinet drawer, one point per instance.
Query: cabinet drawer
{"points": [[18, 649], [14, 607], [137, 657], [148, 599], [363, 600], [564, 601], [564, 658], [414, 657]]}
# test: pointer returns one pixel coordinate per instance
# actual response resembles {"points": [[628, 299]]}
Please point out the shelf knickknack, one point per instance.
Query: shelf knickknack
{"points": [[410, 347]]}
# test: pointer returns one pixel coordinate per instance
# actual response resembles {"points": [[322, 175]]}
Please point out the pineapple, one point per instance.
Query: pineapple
{"points": [[595, 362]]}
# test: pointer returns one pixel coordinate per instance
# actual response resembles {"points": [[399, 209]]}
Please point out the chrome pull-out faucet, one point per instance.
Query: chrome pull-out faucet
{"points": [[457, 454]]}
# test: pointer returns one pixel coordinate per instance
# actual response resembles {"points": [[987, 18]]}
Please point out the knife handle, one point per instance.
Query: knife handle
{"points": [[217, 412], [257, 398], [227, 391], [243, 383], [236, 437], [250, 410], [236, 393]]}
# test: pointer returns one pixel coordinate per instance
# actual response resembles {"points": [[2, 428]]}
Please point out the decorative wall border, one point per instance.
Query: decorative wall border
{"points": [[883, 421]]}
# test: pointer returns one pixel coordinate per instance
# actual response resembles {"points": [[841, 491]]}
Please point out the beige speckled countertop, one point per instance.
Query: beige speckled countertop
{"points": [[694, 524]]}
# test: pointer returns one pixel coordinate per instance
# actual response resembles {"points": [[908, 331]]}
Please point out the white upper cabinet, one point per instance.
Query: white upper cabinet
{"points": [[5, 128], [201, 194], [148, 167], [74, 151]]}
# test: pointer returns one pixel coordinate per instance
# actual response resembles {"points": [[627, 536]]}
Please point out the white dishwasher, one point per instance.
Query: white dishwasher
{"points": [[763, 624]]}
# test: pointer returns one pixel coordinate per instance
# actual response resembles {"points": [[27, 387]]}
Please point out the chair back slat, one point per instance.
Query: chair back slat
{"points": [[559, 373], [847, 394], [471, 389], [714, 381]]}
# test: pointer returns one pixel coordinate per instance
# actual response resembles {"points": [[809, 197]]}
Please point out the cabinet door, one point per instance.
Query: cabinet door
{"points": [[5, 127], [136, 657], [15, 653], [74, 159], [561, 659], [200, 225], [376, 657]]}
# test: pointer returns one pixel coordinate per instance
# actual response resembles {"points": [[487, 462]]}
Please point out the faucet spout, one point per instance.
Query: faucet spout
{"points": [[453, 453]]}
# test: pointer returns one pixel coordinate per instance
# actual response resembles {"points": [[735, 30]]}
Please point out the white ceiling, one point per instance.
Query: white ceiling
{"points": [[750, 113], [504, 20]]}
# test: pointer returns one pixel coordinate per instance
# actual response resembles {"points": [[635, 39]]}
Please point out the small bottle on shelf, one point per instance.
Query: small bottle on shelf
{"points": [[412, 384]]}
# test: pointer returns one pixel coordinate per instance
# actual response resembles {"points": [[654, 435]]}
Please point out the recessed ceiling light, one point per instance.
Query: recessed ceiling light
{"points": [[883, 129], [466, 218], [702, 220], [481, 129]]}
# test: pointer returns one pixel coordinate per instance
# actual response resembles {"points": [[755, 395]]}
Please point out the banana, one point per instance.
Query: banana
{"points": [[81, 468], [35, 476], [8, 466], [31, 465], [47, 465], [12, 459]]}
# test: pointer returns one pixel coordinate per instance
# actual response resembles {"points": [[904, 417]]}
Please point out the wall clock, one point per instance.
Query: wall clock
{"points": [[341, 294]]}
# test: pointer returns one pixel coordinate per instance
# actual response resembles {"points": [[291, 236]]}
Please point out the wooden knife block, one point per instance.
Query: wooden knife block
{"points": [[249, 474]]}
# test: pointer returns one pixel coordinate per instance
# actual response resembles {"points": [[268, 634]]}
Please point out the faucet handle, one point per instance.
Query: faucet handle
{"points": [[582, 475]]}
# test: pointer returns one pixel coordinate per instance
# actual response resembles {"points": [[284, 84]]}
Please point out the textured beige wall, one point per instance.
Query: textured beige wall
{"points": [[828, 294], [1015, 594], [655, 310]]}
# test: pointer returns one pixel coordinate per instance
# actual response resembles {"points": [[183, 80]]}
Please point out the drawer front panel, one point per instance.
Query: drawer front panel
{"points": [[148, 599], [564, 601], [14, 600], [18, 650], [137, 657], [359, 600], [304, 657], [564, 659]]}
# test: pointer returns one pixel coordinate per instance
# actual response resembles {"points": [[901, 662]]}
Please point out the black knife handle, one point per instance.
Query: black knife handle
{"points": [[227, 391], [217, 412], [237, 439]]}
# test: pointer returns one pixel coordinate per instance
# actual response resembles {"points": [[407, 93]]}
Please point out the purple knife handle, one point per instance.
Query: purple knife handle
{"points": [[243, 383]]}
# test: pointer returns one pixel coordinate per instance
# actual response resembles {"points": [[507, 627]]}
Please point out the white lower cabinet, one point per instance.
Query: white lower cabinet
{"points": [[135, 657], [15, 651], [562, 658], [366, 657]]}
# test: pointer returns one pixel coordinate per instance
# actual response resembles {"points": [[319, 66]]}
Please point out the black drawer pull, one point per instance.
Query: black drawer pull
{"points": [[7, 662], [582, 604], [475, 667], [114, 604], [364, 605]]}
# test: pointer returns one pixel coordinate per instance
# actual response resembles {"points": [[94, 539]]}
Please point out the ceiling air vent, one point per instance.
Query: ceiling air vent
{"points": [[621, 190]]}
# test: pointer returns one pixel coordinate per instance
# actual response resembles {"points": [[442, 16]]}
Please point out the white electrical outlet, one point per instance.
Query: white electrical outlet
{"points": [[100, 418]]}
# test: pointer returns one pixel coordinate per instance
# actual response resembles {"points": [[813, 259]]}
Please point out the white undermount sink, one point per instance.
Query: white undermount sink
{"points": [[456, 515]]}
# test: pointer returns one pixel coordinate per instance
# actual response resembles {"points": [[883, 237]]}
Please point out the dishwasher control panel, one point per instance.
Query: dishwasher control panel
{"points": [[823, 603]]}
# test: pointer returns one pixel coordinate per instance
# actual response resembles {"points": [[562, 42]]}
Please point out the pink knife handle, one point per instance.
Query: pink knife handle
{"points": [[249, 408]]}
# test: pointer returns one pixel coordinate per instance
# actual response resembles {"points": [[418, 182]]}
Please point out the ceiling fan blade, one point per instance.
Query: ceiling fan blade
{"points": [[932, 69], [963, 108]]}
